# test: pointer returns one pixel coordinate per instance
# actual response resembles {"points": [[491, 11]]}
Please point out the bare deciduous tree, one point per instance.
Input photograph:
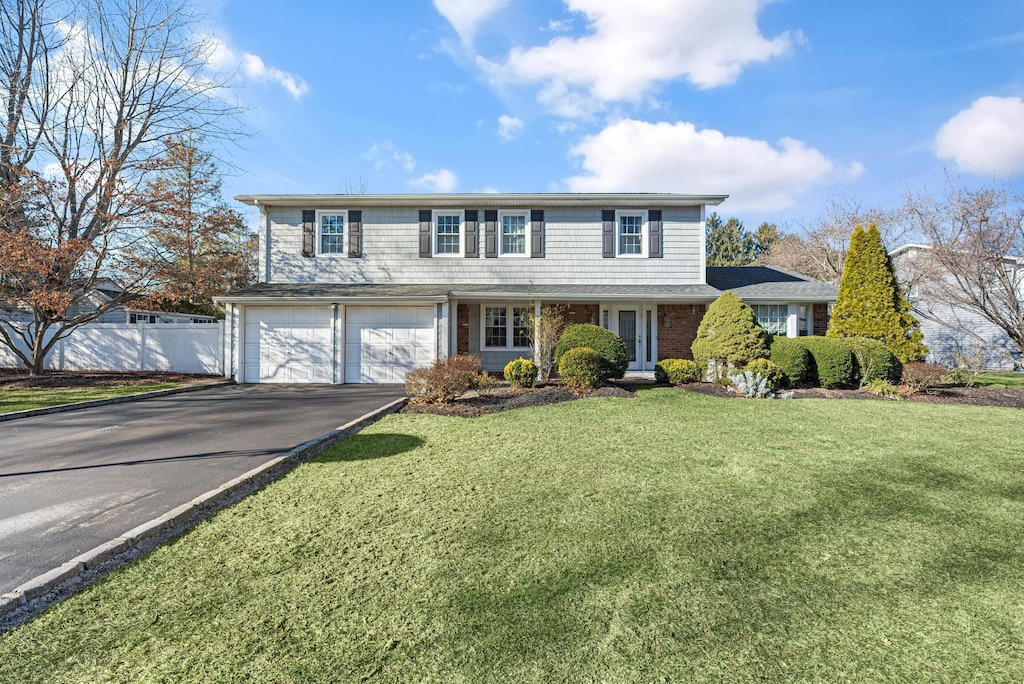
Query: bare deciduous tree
{"points": [[90, 91], [973, 264]]}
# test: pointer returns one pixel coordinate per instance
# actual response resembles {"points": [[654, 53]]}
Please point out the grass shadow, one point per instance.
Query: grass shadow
{"points": [[362, 447]]}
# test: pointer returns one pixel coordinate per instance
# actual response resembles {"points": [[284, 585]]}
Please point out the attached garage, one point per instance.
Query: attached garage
{"points": [[382, 344], [289, 344]]}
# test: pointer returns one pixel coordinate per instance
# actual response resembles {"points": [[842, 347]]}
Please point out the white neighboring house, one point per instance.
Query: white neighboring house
{"points": [[948, 343], [365, 288]]}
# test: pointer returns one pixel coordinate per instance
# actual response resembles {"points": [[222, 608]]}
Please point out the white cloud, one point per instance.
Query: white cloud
{"points": [[637, 156], [558, 25], [632, 47], [465, 16], [441, 180], [407, 161], [489, 190], [987, 138], [224, 58], [383, 153], [509, 126]]}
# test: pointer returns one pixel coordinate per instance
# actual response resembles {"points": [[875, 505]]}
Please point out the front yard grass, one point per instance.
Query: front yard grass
{"points": [[671, 537], [25, 399], [1001, 380]]}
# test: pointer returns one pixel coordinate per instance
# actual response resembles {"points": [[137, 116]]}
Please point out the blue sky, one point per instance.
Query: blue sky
{"points": [[779, 104]]}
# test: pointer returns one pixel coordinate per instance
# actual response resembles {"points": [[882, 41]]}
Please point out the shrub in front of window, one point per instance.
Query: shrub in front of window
{"points": [[793, 359], [772, 374], [729, 333], [677, 372], [874, 360], [920, 377], [580, 368], [485, 384], [444, 381], [832, 364], [521, 373], [608, 345]]}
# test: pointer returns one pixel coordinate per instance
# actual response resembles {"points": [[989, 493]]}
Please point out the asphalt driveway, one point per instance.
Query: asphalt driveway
{"points": [[72, 481]]}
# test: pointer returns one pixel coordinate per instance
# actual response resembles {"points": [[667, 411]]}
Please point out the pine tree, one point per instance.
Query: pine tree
{"points": [[870, 302], [729, 333], [728, 244]]}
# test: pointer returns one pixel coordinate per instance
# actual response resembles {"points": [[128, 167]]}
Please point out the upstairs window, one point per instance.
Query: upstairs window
{"points": [[774, 318], [448, 231], [631, 234], [506, 327], [513, 234], [332, 233]]}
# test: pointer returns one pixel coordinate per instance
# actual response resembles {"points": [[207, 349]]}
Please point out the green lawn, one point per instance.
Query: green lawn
{"points": [[1005, 380], [23, 400], [673, 537]]}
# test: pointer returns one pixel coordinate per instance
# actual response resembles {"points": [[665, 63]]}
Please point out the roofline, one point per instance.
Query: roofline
{"points": [[272, 299], [498, 295], [916, 245], [497, 200], [577, 297]]}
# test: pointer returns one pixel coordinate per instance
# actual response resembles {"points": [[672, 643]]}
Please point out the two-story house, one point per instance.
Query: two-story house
{"points": [[364, 288]]}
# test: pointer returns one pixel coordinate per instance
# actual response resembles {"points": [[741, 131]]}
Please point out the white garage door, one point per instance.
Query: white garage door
{"points": [[288, 344], [382, 344]]}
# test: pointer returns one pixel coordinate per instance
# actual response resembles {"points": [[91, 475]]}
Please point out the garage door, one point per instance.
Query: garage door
{"points": [[288, 344], [382, 344]]}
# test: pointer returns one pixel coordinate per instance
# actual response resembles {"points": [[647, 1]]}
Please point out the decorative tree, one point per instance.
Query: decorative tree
{"points": [[870, 302], [729, 333]]}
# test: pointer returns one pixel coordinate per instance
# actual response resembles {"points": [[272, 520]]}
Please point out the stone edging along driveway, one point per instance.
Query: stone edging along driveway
{"points": [[37, 594], [74, 406]]}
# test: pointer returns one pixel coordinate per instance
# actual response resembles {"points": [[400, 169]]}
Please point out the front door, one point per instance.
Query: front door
{"points": [[630, 333]]}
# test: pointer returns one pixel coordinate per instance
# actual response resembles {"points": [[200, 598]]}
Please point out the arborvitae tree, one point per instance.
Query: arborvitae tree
{"points": [[729, 333], [870, 302]]}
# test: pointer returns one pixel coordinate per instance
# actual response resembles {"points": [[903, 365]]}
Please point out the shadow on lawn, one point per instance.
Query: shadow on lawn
{"points": [[362, 447]]}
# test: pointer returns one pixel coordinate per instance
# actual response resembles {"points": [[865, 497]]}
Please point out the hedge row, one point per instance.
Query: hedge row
{"points": [[834, 363]]}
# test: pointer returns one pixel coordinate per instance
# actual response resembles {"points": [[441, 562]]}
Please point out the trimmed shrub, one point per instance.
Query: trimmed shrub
{"points": [[793, 360], [874, 360], [729, 333], [832, 364], [580, 368], [444, 381], [521, 373], [767, 370], [677, 372], [920, 377], [608, 345]]}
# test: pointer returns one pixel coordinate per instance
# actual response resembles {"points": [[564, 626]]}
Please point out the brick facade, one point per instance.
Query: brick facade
{"points": [[576, 312], [462, 329], [820, 318], [675, 339]]}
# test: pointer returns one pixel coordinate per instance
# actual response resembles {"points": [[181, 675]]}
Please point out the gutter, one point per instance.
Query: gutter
{"points": [[519, 200]]}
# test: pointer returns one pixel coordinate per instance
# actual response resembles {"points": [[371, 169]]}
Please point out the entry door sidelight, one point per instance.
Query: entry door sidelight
{"points": [[627, 331]]}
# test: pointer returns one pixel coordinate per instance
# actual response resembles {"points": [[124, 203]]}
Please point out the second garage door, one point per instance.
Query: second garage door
{"points": [[382, 344]]}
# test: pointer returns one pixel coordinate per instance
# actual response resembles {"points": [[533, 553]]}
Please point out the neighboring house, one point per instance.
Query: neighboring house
{"points": [[364, 288], [947, 345]]}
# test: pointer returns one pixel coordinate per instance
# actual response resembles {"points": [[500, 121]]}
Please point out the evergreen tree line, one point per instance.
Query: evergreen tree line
{"points": [[729, 243]]}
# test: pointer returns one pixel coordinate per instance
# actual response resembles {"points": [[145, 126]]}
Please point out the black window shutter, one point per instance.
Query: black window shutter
{"points": [[472, 233], [656, 245], [608, 233], [308, 233], [537, 234], [491, 233], [426, 227], [355, 234]]}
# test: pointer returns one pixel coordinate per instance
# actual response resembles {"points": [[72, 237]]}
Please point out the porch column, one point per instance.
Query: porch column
{"points": [[536, 330]]}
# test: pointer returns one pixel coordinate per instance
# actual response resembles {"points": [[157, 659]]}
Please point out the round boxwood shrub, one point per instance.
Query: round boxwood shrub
{"points": [[580, 368], [521, 373], [873, 360], [677, 372], [608, 345], [833, 364], [793, 359], [729, 333], [768, 370]]}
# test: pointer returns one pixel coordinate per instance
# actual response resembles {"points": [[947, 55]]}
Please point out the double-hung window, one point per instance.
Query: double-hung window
{"points": [[331, 230], [774, 318], [448, 234], [513, 234], [506, 327], [630, 234]]}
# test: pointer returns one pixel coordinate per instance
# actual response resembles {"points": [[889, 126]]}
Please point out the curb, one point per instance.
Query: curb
{"points": [[15, 415], [173, 523]]}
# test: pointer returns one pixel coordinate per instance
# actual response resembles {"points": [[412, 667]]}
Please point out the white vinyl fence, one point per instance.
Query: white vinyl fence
{"points": [[177, 347]]}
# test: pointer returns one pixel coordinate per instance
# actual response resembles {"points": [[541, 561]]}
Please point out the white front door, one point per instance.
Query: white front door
{"points": [[634, 324], [384, 343]]}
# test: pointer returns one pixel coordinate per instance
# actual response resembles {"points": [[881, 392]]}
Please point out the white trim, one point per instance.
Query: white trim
{"points": [[461, 213], [509, 324], [645, 232], [344, 232], [525, 213], [488, 200]]}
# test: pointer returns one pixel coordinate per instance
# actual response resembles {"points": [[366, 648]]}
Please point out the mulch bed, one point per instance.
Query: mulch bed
{"points": [[473, 405], [968, 396], [17, 379]]}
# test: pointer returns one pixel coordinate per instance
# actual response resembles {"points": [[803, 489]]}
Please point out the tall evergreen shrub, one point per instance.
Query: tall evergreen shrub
{"points": [[729, 333]]}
